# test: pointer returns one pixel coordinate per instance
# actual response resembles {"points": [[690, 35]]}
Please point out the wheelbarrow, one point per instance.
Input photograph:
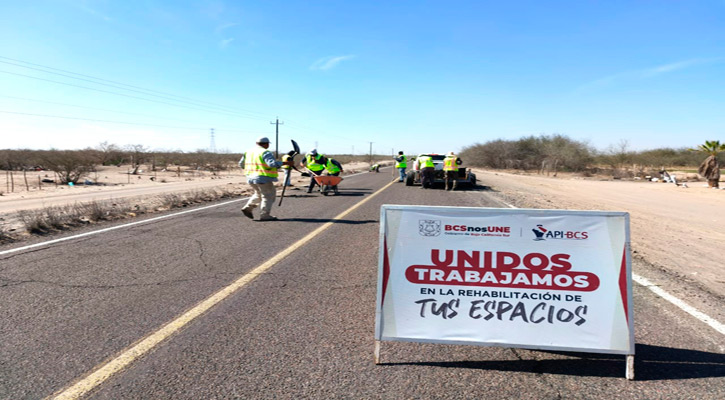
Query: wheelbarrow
{"points": [[327, 183]]}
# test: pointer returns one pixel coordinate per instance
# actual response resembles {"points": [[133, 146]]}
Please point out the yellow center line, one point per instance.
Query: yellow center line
{"points": [[140, 348]]}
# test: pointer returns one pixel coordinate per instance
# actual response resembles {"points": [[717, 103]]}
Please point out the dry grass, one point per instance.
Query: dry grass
{"points": [[5, 235], [55, 219]]}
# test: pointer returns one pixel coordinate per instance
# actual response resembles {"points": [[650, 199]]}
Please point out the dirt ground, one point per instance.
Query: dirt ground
{"points": [[677, 229]]}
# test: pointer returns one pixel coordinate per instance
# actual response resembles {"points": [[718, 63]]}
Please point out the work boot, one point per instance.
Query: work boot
{"points": [[268, 218], [247, 212]]}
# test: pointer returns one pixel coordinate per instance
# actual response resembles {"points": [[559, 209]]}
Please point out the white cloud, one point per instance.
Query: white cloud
{"points": [[326, 63], [647, 72], [94, 12], [676, 66], [225, 42], [221, 28]]}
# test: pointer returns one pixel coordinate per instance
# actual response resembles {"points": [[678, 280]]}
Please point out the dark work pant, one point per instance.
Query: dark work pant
{"points": [[313, 182], [334, 188], [451, 181], [426, 176]]}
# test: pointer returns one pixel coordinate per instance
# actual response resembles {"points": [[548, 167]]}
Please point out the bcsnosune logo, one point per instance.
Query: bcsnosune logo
{"points": [[429, 227]]}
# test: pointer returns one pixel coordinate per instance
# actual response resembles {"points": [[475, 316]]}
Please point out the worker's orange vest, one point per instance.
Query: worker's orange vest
{"points": [[449, 164]]}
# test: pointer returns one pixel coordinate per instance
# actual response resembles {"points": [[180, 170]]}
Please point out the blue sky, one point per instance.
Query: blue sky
{"points": [[418, 76]]}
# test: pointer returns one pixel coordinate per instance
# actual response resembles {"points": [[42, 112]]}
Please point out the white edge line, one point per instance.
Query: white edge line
{"points": [[54, 241], [710, 321], [31, 246]]}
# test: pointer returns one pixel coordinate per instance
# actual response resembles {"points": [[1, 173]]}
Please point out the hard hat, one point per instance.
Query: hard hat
{"points": [[262, 140], [313, 151], [450, 153]]}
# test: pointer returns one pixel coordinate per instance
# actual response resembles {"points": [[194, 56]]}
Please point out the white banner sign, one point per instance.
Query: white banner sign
{"points": [[539, 279]]}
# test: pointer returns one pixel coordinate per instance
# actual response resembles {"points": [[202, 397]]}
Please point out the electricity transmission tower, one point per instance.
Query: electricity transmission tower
{"points": [[212, 144]]}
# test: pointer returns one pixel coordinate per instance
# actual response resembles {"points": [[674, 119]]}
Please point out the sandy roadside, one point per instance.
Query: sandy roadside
{"points": [[112, 184], [680, 230]]}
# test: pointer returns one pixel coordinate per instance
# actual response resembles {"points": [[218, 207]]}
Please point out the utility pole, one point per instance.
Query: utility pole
{"points": [[212, 144], [392, 153], [276, 136], [371, 154]]}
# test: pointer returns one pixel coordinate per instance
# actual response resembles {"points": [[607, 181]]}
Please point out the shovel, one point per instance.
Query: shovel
{"points": [[296, 150]]}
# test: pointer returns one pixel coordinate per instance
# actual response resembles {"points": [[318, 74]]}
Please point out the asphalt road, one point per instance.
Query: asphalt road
{"points": [[304, 327]]}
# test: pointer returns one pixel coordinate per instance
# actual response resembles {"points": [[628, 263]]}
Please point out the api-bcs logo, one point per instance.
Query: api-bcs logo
{"points": [[542, 233]]}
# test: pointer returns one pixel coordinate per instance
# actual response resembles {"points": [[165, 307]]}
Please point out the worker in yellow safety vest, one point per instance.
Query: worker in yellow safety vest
{"points": [[450, 169], [427, 169], [401, 163], [260, 167], [333, 168], [315, 164], [288, 161]]}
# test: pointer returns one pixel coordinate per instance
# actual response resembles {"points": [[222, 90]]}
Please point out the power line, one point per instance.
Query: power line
{"points": [[107, 110], [217, 108], [319, 132], [109, 121], [45, 67], [128, 95]]}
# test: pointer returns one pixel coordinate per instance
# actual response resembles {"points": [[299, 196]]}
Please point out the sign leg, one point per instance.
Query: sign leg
{"points": [[630, 367], [377, 352]]}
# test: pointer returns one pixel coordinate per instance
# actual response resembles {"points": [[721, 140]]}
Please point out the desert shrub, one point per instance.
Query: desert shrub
{"points": [[93, 211], [107, 154], [172, 200], [69, 165], [57, 218], [5, 235], [34, 221], [532, 152]]}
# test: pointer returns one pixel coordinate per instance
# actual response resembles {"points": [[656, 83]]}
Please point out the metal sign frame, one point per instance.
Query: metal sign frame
{"points": [[385, 269]]}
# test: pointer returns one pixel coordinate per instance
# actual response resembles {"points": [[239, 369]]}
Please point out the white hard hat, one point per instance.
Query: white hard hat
{"points": [[450, 153], [263, 139]]}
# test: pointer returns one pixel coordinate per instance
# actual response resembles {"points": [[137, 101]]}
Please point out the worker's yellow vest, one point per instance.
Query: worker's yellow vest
{"points": [[286, 158], [449, 164], [425, 162], [254, 164], [402, 164], [312, 163], [330, 167]]}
